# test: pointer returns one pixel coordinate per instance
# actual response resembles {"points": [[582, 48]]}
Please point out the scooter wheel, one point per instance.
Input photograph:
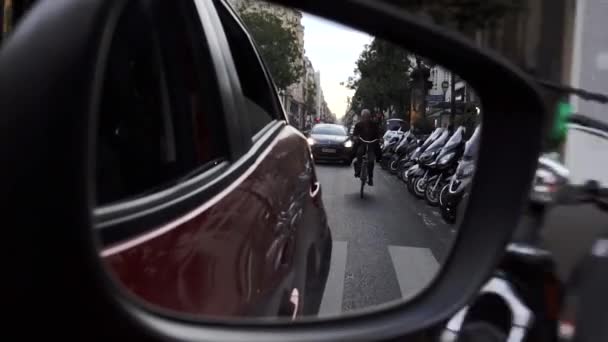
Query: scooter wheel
{"points": [[393, 165], [399, 174], [420, 187], [402, 175], [442, 194], [410, 184], [432, 195]]}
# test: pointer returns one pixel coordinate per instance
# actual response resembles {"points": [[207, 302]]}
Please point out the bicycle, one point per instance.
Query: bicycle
{"points": [[364, 161]]}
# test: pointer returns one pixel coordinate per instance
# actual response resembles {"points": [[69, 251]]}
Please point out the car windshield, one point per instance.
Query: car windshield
{"points": [[329, 130]]}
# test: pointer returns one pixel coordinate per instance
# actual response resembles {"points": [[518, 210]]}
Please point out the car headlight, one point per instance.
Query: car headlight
{"points": [[446, 159], [311, 141], [348, 144]]}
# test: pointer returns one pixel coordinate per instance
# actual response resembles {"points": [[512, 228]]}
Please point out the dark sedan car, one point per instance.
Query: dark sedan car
{"points": [[330, 142]]}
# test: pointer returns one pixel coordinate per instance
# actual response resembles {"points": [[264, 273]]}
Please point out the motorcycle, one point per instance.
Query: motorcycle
{"points": [[521, 301], [388, 147], [452, 193], [411, 160], [389, 135], [413, 151], [444, 166], [420, 173], [407, 144]]}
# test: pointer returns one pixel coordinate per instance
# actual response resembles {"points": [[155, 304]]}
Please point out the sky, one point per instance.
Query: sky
{"points": [[333, 50]]}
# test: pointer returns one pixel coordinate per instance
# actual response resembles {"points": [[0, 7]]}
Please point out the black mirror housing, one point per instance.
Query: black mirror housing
{"points": [[60, 105]]}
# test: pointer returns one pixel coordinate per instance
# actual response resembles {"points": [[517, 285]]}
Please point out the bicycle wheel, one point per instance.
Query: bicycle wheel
{"points": [[363, 176]]}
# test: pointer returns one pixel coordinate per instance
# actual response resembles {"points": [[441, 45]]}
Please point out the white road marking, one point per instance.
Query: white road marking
{"points": [[331, 303], [602, 60], [427, 220], [415, 268]]}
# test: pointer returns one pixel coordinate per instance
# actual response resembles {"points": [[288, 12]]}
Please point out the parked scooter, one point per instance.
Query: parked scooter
{"points": [[521, 302], [420, 173], [406, 163], [388, 148], [407, 144], [444, 166], [452, 193], [414, 149], [389, 135]]}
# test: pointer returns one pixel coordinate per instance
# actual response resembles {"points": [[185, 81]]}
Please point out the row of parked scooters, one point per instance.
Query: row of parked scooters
{"points": [[438, 167]]}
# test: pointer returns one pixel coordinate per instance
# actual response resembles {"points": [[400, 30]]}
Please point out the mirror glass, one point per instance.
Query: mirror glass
{"points": [[351, 206]]}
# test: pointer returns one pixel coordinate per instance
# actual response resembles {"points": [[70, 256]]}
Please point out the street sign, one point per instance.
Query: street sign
{"points": [[432, 100], [445, 85]]}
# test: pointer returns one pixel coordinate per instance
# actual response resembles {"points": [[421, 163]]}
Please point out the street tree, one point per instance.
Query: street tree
{"points": [[382, 78], [278, 44]]}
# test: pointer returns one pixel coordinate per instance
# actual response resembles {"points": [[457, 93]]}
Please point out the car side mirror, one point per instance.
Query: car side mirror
{"points": [[52, 113]]}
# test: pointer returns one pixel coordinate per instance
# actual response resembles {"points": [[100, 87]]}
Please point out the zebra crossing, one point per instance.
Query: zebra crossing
{"points": [[386, 247], [414, 268]]}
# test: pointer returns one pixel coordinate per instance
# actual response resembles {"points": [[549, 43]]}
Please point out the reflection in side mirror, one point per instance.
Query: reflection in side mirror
{"points": [[293, 238]]}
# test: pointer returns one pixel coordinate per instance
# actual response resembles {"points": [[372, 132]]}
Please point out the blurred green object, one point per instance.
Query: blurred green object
{"points": [[560, 125]]}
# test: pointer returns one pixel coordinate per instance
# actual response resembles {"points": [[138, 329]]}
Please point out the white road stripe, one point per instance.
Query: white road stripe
{"points": [[415, 268], [331, 304]]}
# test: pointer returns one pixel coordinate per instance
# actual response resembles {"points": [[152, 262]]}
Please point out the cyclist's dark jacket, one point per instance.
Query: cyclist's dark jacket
{"points": [[367, 130]]}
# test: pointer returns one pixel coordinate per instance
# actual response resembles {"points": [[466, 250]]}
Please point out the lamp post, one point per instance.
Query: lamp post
{"points": [[452, 99], [444, 86]]}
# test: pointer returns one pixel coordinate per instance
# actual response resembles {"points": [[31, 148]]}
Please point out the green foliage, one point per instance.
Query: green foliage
{"points": [[278, 45], [381, 79]]}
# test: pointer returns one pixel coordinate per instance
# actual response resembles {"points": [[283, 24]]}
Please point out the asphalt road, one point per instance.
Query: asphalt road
{"points": [[387, 246]]}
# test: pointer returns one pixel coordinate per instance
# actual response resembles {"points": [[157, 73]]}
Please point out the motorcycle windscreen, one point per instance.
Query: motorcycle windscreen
{"points": [[432, 138], [455, 139], [404, 139], [472, 146], [439, 142]]}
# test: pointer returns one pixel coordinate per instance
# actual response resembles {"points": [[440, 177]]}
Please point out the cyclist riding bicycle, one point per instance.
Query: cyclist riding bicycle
{"points": [[369, 130]]}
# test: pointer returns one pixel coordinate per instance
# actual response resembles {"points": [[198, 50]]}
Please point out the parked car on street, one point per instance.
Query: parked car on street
{"points": [[331, 142]]}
